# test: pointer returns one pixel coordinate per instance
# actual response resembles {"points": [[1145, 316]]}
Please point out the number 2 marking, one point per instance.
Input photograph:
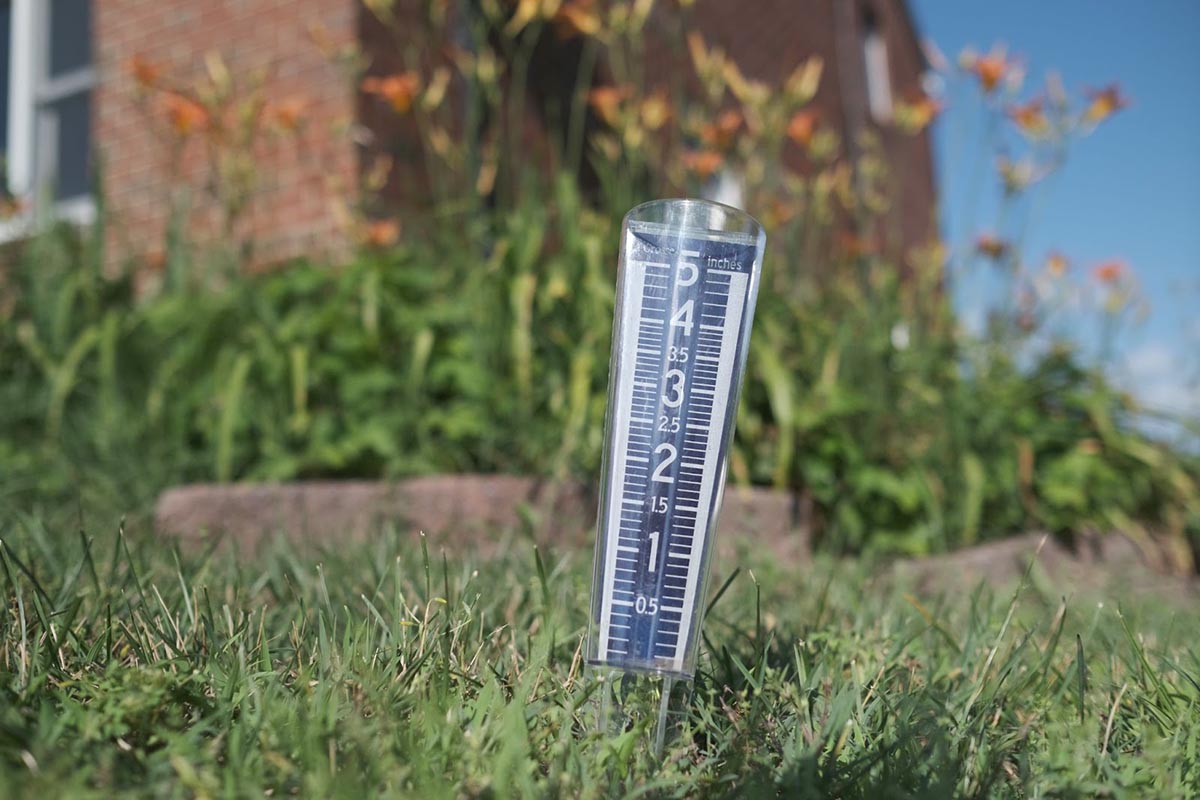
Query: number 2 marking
{"points": [[672, 454]]}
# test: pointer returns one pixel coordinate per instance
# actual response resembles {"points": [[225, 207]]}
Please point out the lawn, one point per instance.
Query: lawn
{"points": [[475, 338], [388, 668]]}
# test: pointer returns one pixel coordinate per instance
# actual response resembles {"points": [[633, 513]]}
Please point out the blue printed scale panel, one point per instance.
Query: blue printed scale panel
{"points": [[685, 300]]}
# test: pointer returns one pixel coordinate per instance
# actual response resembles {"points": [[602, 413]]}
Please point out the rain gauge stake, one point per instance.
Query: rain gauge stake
{"points": [[687, 283]]}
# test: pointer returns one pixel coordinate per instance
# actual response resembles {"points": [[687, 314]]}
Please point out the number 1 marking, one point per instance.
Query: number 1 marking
{"points": [[653, 537]]}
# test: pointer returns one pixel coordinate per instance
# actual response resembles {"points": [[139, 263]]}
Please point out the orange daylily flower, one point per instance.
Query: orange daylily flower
{"points": [[155, 260], [1109, 271], [398, 90], [729, 121], [606, 102], [702, 163], [185, 114], [990, 69], [382, 232], [1103, 103], [577, 18], [1057, 264], [287, 114], [914, 116], [145, 72], [1030, 118], [801, 127], [779, 211], [855, 246], [719, 134], [992, 246]]}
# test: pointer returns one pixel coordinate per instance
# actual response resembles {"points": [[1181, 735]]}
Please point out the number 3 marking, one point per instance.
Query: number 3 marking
{"points": [[673, 394]]}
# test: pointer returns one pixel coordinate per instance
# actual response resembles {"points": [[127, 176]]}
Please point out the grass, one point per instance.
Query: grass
{"points": [[380, 668]]}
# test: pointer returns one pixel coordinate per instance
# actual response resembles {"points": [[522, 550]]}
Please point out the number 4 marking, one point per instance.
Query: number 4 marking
{"points": [[683, 318]]}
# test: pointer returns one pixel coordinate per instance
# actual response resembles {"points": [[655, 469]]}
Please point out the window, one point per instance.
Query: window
{"points": [[879, 77], [5, 37], [46, 47]]}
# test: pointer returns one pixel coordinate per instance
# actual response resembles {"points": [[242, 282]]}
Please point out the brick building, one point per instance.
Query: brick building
{"points": [[71, 107]]}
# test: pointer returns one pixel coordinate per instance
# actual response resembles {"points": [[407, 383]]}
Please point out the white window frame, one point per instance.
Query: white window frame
{"points": [[878, 72], [33, 128]]}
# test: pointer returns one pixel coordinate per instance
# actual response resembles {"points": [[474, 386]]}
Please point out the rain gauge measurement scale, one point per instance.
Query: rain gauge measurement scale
{"points": [[686, 290]]}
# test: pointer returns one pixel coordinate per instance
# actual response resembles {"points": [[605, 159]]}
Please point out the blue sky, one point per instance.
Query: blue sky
{"points": [[1129, 191]]}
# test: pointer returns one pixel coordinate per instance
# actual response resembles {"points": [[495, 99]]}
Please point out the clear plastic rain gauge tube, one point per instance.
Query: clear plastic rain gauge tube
{"points": [[687, 284]]}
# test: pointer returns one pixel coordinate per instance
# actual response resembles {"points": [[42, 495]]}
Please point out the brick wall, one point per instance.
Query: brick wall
{"points": [[302, 178], [770, 38], [299, 177], [912, 218]]}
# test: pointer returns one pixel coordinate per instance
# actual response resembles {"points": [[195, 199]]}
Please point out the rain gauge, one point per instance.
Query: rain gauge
{"points": [[686, 288]]}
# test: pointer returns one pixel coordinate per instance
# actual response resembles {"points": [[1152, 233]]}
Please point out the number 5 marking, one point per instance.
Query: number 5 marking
{"points": [[690, 270]]}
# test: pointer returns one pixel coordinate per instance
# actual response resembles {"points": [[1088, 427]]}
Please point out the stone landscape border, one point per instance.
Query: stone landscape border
{"points": [[479, 514], [455, 511]]}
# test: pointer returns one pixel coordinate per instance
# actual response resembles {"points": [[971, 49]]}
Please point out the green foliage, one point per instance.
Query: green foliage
{"points": [[910, 436], [484, 354], [488, 351], [129, 669]]}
